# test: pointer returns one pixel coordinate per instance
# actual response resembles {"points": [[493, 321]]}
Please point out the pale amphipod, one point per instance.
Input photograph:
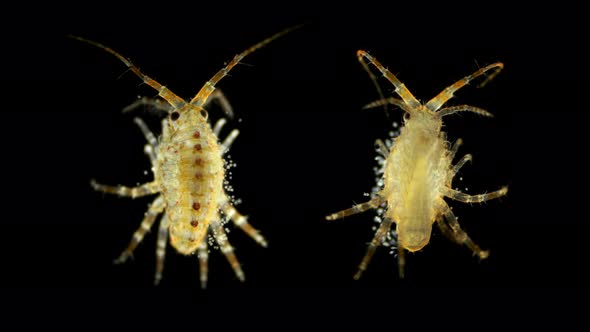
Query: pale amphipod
{"points": [[189, 173], [417, 172]]}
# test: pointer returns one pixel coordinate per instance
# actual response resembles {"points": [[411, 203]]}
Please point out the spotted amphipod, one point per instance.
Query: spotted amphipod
{"points": [[189, 173]]}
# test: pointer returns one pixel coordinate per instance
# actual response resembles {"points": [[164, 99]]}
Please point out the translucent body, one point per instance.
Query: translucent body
{"points": [[418, 172], [415, 171]]}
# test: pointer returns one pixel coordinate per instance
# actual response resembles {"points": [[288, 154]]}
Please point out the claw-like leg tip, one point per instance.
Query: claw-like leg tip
{"points": [[358, 275], [484, 254], [121, 259]]}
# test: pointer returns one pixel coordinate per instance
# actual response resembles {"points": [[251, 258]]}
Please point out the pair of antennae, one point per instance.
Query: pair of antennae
{"points": [[203, 95], [409, 103]]}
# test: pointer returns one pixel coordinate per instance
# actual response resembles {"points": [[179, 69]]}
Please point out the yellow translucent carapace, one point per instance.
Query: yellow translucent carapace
{"points": [[189, 173], [417, 172]]}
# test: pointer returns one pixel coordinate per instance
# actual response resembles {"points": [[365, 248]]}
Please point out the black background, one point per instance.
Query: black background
{"points": [[305, 148]]}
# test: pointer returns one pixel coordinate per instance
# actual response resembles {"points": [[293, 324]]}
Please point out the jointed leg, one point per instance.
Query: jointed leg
{"points": [[382, 148], [203, 255], [465, 198], [446, 230], [150, 148], [459, 235], [218, 125], [455, 148], [435, 103], [222, 101], [163, 92], [400, 88], [153, 211], [391, 100], [203, 95], [155, 103], [133, 192], [377, 240], [147, 133], [227, 249], [401, 261], [372, 204], [463, 108], [229, 140], [461, 162], [161, 248], [242, 222]]}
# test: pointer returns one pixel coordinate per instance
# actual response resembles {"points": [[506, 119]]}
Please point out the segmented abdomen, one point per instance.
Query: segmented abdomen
{"points": [[191, 173]]}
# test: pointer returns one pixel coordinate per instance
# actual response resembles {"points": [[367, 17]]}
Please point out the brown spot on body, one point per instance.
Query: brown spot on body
{"points": [[198, 147], [196, 206], [195, 223], [199, 161], [197, 134], [199, 176], [191, 239]]}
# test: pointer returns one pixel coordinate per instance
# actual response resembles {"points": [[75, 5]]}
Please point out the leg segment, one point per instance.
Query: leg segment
{"points": [[377, 240], [461, 162], [465, 198], [150, 148], [222, 101], [133, 192], [463, 108], [401, 261], [203, 95], [229, 140], [227, 249], [400, 88], [435, 103], [384, 101], [382, 148], [154, 210], [161, 248], [147, 133], [163, 92], [154, 103], [242, 222], [203, 255], [458, 234], [218, 125], [455, 148], [372, 204]]}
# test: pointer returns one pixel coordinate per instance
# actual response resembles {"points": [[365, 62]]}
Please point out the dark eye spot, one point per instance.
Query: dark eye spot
{"points": [[174, 116], [204, 114]]}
